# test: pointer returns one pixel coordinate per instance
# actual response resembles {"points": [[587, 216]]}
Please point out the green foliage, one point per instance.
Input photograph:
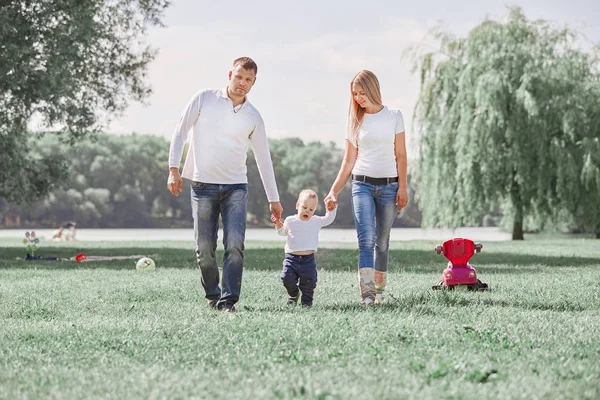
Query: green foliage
{"points": [[113, 181], [509, 118], [298, 166], [25, 176], [68, 65], [313, 166], [120, 181]]}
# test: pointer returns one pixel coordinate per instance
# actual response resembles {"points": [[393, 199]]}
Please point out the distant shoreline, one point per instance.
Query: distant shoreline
{"points": [[263, 234]]}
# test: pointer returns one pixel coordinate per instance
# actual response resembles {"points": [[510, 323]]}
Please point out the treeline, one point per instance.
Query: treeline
{"points": [[509, 117], [120, 182]]}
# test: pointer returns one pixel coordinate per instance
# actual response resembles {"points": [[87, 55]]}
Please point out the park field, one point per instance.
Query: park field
{"points": [[102, 330]]}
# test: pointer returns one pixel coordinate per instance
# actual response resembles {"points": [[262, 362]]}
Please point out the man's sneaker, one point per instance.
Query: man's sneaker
{"points": [[212, 304], [228, 309], [379, 298], [292, 301]]}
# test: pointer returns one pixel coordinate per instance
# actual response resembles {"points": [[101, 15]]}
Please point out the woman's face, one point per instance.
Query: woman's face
{"points": [[360, 96]]}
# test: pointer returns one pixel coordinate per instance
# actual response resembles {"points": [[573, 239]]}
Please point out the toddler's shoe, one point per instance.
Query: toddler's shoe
{"points": [[292, 300]]}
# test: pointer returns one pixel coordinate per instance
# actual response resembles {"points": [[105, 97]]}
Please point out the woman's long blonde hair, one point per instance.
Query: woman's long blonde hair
{"points": [[370, 84]]}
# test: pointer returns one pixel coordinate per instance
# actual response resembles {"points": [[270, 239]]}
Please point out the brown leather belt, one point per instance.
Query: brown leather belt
{"points": [[374, 181]]}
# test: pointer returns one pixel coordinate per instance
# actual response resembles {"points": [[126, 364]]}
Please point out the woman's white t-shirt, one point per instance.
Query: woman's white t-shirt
{"points": [[376, 157]]}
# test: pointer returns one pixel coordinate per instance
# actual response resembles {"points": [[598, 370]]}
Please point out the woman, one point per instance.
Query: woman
{"points": [[375, 156]]}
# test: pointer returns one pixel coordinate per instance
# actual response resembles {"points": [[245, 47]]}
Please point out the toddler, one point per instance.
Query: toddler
{"points": [[302, 231]]}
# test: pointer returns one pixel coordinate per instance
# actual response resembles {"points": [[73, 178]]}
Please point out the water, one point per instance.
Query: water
{"points": [[326, 235]]}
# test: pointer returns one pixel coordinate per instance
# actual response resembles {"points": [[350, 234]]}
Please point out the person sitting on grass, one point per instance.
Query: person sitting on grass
{"points": [[302, 231], [66, 231]]}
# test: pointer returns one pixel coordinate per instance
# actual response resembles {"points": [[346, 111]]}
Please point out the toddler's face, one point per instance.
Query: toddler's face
{"points": [[306, 208]]}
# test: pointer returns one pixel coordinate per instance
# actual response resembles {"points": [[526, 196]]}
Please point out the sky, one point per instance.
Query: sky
{"points": [[308, 52]]}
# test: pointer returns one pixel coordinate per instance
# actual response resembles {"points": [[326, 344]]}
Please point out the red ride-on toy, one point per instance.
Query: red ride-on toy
{"points": [[459, 274]]}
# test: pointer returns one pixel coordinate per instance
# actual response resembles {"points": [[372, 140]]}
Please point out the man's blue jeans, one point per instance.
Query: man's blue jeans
{"points": [[375, 210], [208, 202]]}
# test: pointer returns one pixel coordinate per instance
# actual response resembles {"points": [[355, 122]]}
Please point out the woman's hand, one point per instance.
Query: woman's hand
{"points": [[401, 198], [331, 201]]}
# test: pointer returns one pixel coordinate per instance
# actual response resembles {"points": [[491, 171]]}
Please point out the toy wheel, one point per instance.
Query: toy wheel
{"points": [[480, 286]]}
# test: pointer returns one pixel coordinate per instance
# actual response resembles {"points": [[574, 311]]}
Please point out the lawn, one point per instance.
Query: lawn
{"points": [[103, 330]]}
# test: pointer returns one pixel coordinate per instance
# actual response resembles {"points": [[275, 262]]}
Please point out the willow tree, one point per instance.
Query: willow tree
{"points": [[68, 65], [504, 115], [588, 199]]}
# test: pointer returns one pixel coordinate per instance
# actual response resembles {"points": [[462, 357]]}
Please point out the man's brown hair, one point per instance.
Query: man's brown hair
{"points": [[247, 63]]}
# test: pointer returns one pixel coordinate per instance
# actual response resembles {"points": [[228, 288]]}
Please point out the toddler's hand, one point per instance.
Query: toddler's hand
{"points": [[277, 222], [330, 201], [330, 204]]}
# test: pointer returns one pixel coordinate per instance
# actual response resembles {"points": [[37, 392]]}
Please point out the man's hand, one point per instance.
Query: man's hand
{"points": [[276, 210], [174, 183], [277, 222]]}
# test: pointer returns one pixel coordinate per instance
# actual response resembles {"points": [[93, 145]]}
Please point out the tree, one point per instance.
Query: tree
{"points": [[587, 209], [313, 166], [68, 64], [258, 208], [98, 173], [63, 205], [100, 199], [505, 120], [130, 209]]}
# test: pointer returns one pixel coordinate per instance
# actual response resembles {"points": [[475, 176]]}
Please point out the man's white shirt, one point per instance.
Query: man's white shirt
{"points": [[304, 235], [219, 141]]}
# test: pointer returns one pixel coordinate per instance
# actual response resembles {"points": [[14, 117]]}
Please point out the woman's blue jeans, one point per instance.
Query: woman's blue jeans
{"points": [[375, 210], [208, 202]]}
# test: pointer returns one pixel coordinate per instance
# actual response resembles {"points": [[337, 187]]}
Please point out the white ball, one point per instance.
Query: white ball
{"points": [[145, 264]]}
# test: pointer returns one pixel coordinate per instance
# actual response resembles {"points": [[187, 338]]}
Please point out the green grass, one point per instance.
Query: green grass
{"points": [[103, 330]]}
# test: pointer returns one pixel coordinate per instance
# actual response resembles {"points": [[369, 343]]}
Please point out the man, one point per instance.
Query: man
{"points": [[224, 122]]}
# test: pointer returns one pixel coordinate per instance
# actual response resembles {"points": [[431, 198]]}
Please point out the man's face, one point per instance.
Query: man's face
{"points": [[241, 81], [306, 208]]}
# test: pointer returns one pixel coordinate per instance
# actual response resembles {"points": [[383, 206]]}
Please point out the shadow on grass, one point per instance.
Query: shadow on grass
{"points": [[413, 261], [435, 303]]}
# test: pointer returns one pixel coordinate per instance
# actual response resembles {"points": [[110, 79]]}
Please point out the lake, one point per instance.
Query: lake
{"points": [[326, 235]]}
